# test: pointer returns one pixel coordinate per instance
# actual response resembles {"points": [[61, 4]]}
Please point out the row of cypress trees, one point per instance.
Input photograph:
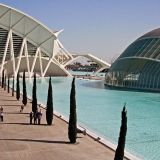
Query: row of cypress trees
{"points": [[72, 126], [49, 109]]}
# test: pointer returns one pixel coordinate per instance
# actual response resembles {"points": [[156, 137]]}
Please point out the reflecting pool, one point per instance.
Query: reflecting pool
{"points": [[99, 110]]}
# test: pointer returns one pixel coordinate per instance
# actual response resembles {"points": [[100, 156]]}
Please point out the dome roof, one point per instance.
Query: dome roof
{"points": [[152, 34]]}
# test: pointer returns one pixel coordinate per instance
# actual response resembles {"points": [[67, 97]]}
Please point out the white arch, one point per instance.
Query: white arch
{"points": [[102, 64]]}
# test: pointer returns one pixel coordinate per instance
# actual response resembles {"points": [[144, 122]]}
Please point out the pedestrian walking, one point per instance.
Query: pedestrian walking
{"points": [[1, 114], [22, 108]]}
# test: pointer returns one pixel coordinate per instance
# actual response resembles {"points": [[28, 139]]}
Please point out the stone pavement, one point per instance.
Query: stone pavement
{"points": [[20, 140]]}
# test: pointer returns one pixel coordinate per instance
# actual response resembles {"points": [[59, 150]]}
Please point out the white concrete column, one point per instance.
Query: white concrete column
{"points": [[12, 53], [27, 60], [40, 63], [47, 67], [20, 55], [34, 61], [5, 51]]}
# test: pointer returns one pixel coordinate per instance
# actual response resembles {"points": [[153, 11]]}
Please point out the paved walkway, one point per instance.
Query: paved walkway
{"points": [[20, 140]]}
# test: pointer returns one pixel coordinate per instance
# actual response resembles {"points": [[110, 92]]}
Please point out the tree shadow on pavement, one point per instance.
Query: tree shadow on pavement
{"points": [[14, 113], [16, 123], [10, 105], [7, 100], [36, 140]]}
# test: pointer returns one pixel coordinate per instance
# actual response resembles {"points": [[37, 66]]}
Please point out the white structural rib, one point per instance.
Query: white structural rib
{"points": [[34, 62], [27, 60], [40, 63], [5, 51], [20, 55], [12, 53], [45, 70]]}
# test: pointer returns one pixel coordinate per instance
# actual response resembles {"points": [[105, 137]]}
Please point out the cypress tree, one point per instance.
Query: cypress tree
{"points": [[24, 101], [8, 83], [49, 110], [3, 78], [18, 88], [13, 87], [72, 128], [119, 154], [5, 83], [34, 96]]}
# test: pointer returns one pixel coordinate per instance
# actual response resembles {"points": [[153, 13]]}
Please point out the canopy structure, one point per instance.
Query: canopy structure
{"points": [[26, 44]]}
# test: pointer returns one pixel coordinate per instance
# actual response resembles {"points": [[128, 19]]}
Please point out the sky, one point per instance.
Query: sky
{"points": [[103, 28]]}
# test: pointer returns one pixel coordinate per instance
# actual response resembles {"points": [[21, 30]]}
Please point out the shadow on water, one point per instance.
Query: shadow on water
{"points": [[102, 85], [95, 84]]}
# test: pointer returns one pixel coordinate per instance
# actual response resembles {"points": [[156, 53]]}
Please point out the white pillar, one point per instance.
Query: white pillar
{"points": [[27, 60], [47, 67], [34, 61], [20, 55], [40, 63], [5, 51], [12, 53]]}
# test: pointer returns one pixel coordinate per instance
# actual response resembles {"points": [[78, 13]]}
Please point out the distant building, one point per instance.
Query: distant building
{"points": [[138, 67]]}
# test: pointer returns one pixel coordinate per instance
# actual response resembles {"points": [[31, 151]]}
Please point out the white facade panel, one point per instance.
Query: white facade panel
{"points": [[15, 17], [3, 10], [5, 19], [20, 27]]}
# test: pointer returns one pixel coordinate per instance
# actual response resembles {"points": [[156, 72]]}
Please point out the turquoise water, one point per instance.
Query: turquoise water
{"points": [[99, 110]]}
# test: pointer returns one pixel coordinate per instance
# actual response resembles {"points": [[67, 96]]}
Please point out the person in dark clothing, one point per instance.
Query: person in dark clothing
{"points": [[31, 116], [39, 117], [35, 118], [1, 114]]}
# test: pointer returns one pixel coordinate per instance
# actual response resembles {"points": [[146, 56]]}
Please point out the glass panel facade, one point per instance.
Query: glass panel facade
{"points": [[138, 66], [149, 48], [136, 73]]}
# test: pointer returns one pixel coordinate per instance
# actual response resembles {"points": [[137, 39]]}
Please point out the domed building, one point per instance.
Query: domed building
{"points": [[138, 67]]}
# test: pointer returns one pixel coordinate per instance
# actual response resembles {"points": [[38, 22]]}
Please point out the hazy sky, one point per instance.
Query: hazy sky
{"points": [[103, 28]]}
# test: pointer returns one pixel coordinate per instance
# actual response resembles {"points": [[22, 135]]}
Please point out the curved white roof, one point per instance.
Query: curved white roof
{"points": [[26, 26]]}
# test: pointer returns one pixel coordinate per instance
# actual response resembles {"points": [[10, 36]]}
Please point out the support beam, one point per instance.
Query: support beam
{"points": [[5, 51], [27, 60], [47, 67], [40, 63], [20, 55], [12, 53], [34, 62]]}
